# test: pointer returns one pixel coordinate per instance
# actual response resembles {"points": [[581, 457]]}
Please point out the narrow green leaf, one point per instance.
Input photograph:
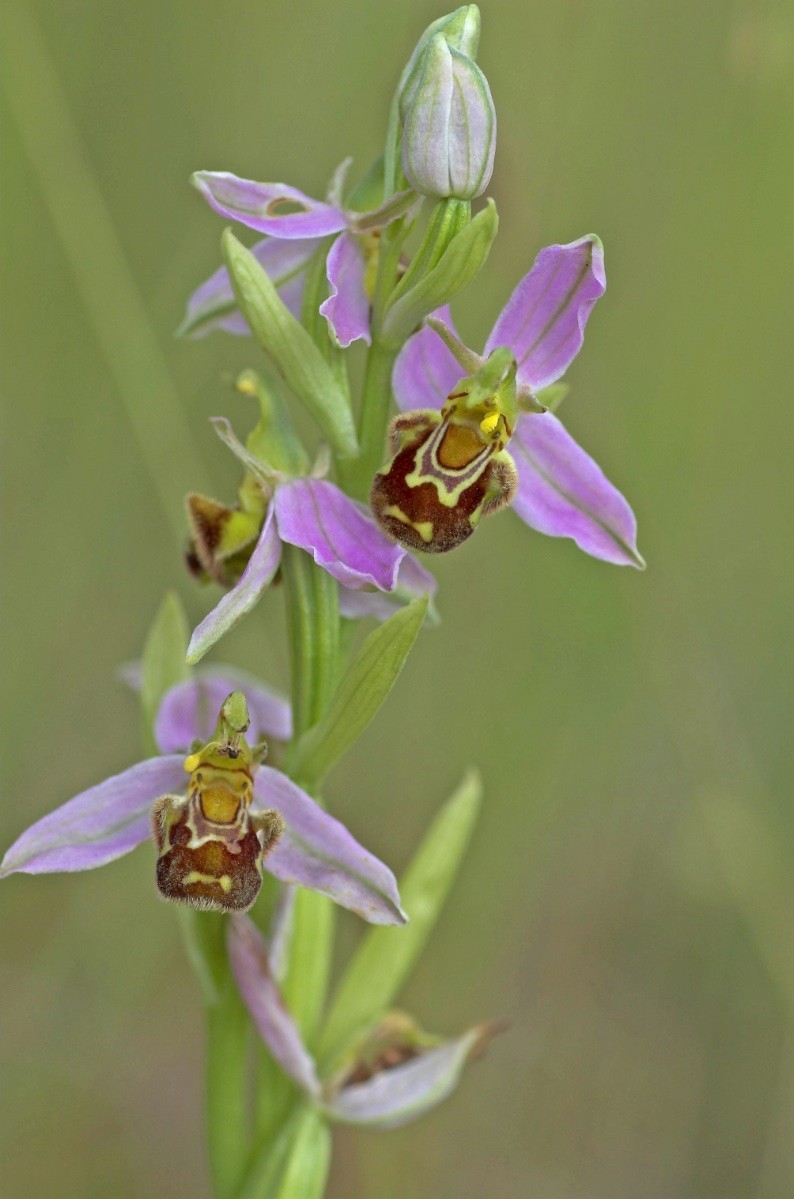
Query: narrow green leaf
{"points": [[296, 1164], [289, 346], [163, 664], [460, 263], [311, 945], [386, 956], [363, 689]]}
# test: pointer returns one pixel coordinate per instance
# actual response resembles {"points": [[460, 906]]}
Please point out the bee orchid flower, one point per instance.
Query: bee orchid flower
{"points": [[466, 447], [390, 1076], [295, 226], [316, 516], [237, 816]]}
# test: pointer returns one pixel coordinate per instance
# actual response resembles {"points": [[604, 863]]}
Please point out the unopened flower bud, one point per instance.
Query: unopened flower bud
{"points": [[449, 135], [461, 31]]}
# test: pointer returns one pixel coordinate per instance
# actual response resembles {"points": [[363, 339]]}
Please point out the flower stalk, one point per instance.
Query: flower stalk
{"points": [[230, 786]]}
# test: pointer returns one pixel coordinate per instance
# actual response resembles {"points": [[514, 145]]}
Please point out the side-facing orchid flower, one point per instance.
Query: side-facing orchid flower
{"points": [[295, 225], [394, 1074], [237, 815], [450, 467], [308, 512], [213, 306]]}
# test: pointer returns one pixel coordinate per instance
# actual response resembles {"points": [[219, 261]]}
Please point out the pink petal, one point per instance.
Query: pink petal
{"points": [[213, 306], [318, 852], [257, 205], [426, 371], [100, 824], [563, 492], [347, 307], [543, 321], [189, 711], [269, 1013], [413, 580], [261, 568], [340, 535], [396, 1096]]}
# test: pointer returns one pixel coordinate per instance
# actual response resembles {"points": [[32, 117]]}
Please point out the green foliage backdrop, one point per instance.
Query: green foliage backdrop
{"points": [[627, 902]]}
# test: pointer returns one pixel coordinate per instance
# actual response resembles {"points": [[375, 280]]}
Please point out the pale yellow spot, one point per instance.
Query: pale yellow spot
{"points": [[246, 385], [192, 762], [423, 527], [195, 876], [490, 422]]}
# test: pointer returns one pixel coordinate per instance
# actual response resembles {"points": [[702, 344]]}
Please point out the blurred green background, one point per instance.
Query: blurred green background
{"points": [[628, 904]]}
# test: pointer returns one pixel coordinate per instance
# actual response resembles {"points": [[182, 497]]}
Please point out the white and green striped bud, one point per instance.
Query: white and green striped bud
{"points": [[449, 125], [460, 28]]}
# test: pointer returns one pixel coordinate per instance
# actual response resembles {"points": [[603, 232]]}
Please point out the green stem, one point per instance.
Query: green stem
{"points": [[313, 619], [376, 403], [314, 629], [227, 1069]]}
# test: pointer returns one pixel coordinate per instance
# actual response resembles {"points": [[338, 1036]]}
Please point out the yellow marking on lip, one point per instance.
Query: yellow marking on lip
{"points": [[423, 527], [219, 804], [459, 446], [195, 876]]}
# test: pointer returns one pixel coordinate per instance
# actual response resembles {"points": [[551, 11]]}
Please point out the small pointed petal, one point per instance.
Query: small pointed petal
{"points": [[396, 1096], [189, 711], [338, 184], [426, 371], [318, 852], [263, 564], [100, 824], [413, 581], [269, 1013], [543, 322], [347, 307], [340, 535], [563, 492], [213, 306], [273, 208], [402, 204]]}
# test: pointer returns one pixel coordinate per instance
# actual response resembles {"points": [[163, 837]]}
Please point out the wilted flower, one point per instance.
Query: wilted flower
{"points": [[449, 131], [440, 481], [295, 225], [212, 843], [392, 1075]]}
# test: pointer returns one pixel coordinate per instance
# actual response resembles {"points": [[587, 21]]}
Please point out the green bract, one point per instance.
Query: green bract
{"points": [[383, 962], [289, 346], [460, 263], [363, 689]]}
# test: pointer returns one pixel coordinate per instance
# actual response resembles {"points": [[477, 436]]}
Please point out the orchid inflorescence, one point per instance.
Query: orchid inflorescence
{"points": [[343, 526]]}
